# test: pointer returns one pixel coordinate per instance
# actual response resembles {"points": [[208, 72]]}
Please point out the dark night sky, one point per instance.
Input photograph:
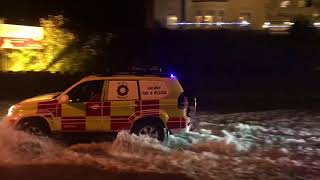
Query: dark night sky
{"points": [[83, 14]]}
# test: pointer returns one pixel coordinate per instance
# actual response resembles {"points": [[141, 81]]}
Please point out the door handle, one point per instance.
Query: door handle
{"points": [[95, 107]]}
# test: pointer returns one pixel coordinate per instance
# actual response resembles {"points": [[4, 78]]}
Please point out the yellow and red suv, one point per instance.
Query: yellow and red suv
{"points": [[141, 104]]}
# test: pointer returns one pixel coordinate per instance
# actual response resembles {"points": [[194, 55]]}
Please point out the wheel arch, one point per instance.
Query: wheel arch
{"points": [[155, 119], [38, 119]]}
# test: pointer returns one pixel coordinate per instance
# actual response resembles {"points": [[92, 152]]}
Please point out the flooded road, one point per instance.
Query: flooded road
{"points": [[281, 144]]}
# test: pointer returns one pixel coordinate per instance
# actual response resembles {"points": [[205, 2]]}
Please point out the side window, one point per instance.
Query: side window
{"points": [[153, 90], [89, 91], [123, 90]]}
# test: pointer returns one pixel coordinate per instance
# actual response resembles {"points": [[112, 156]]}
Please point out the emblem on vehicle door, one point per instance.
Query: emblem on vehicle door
{"points": [[122, 90]]}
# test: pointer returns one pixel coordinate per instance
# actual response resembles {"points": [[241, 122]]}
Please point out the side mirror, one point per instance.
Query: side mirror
{"points": [[64, 99]]}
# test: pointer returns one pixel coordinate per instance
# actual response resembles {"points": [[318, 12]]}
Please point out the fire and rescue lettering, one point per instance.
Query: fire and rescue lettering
{"points": [[153, 89]]}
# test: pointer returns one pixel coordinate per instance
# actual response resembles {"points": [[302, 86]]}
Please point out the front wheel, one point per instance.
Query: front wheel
{"points": [[153, 130], [35, 127]]}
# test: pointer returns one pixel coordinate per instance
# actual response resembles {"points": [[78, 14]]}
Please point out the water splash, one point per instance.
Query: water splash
{"points": [[239, 149]]}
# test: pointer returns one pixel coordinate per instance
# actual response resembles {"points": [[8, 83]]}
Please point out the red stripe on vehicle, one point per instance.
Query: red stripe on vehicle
{"points": [[174, 119], [173, 125], [51, 107], [120, 123], [75, 117], [73, 121], [150, 104], [91, 111], [59, 110], [183, 122], [46, 112], [119, 117], [73, 127], [120, 126], [131, 118], [137, 108], [150, 112], [106, 109], [47, 107]]}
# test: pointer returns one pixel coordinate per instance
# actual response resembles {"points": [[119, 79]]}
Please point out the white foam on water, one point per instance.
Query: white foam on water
{"points": [[17, 147], [239, 149]]}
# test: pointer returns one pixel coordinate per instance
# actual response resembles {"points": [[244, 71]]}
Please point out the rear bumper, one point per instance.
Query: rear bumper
{"points": [[186, 126]]}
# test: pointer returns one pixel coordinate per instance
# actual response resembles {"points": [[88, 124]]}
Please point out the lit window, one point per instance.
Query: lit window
{"points": [[285, 4], [199, 19], [208, 19], [172, 20], [245, 16]]}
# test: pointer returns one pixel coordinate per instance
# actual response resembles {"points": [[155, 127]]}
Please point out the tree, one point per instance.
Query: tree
{"points": [[61, 51]]}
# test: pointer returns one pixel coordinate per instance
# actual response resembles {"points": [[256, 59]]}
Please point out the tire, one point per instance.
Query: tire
{"points": [[150, 128], [35, 127]]}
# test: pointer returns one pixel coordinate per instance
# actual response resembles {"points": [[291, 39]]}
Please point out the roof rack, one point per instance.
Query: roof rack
{"points": [[139, 71]]}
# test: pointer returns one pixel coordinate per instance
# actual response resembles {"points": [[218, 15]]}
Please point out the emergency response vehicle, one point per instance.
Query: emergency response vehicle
{"points": [[149, 105]]}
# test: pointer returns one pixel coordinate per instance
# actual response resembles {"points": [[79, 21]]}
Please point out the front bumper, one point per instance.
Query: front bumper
{"points": [[10, 121]]}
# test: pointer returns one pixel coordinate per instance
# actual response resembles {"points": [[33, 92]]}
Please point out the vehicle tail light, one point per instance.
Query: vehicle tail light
{"points": [[183, 101]]}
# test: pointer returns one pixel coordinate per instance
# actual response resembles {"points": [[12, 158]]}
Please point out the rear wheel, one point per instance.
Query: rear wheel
{"points": [[152, 129]]}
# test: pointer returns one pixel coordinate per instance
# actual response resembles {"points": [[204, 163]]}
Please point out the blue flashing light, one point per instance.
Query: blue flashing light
{"points": [[173, 76]]}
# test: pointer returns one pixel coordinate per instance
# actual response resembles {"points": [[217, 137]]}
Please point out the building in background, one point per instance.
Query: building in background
{"points": [[288, 10], [232, 13], [282, 13], [210, 13]]}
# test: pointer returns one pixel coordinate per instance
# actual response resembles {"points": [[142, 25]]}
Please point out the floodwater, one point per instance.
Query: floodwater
{"points": [[282, 144]]}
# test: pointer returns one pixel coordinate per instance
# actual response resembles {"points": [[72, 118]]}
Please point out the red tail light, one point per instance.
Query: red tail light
{"points": [[183, 101]]}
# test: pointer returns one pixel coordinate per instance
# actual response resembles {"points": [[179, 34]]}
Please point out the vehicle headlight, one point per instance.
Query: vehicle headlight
{"points": [[11, 109]]}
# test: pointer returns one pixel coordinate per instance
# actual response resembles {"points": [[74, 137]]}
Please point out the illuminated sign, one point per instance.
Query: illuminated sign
{"points": [[18, 37]]}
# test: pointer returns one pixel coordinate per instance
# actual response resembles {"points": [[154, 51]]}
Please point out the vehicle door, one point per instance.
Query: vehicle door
{"points": [[84, 110], [120, 104]]}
